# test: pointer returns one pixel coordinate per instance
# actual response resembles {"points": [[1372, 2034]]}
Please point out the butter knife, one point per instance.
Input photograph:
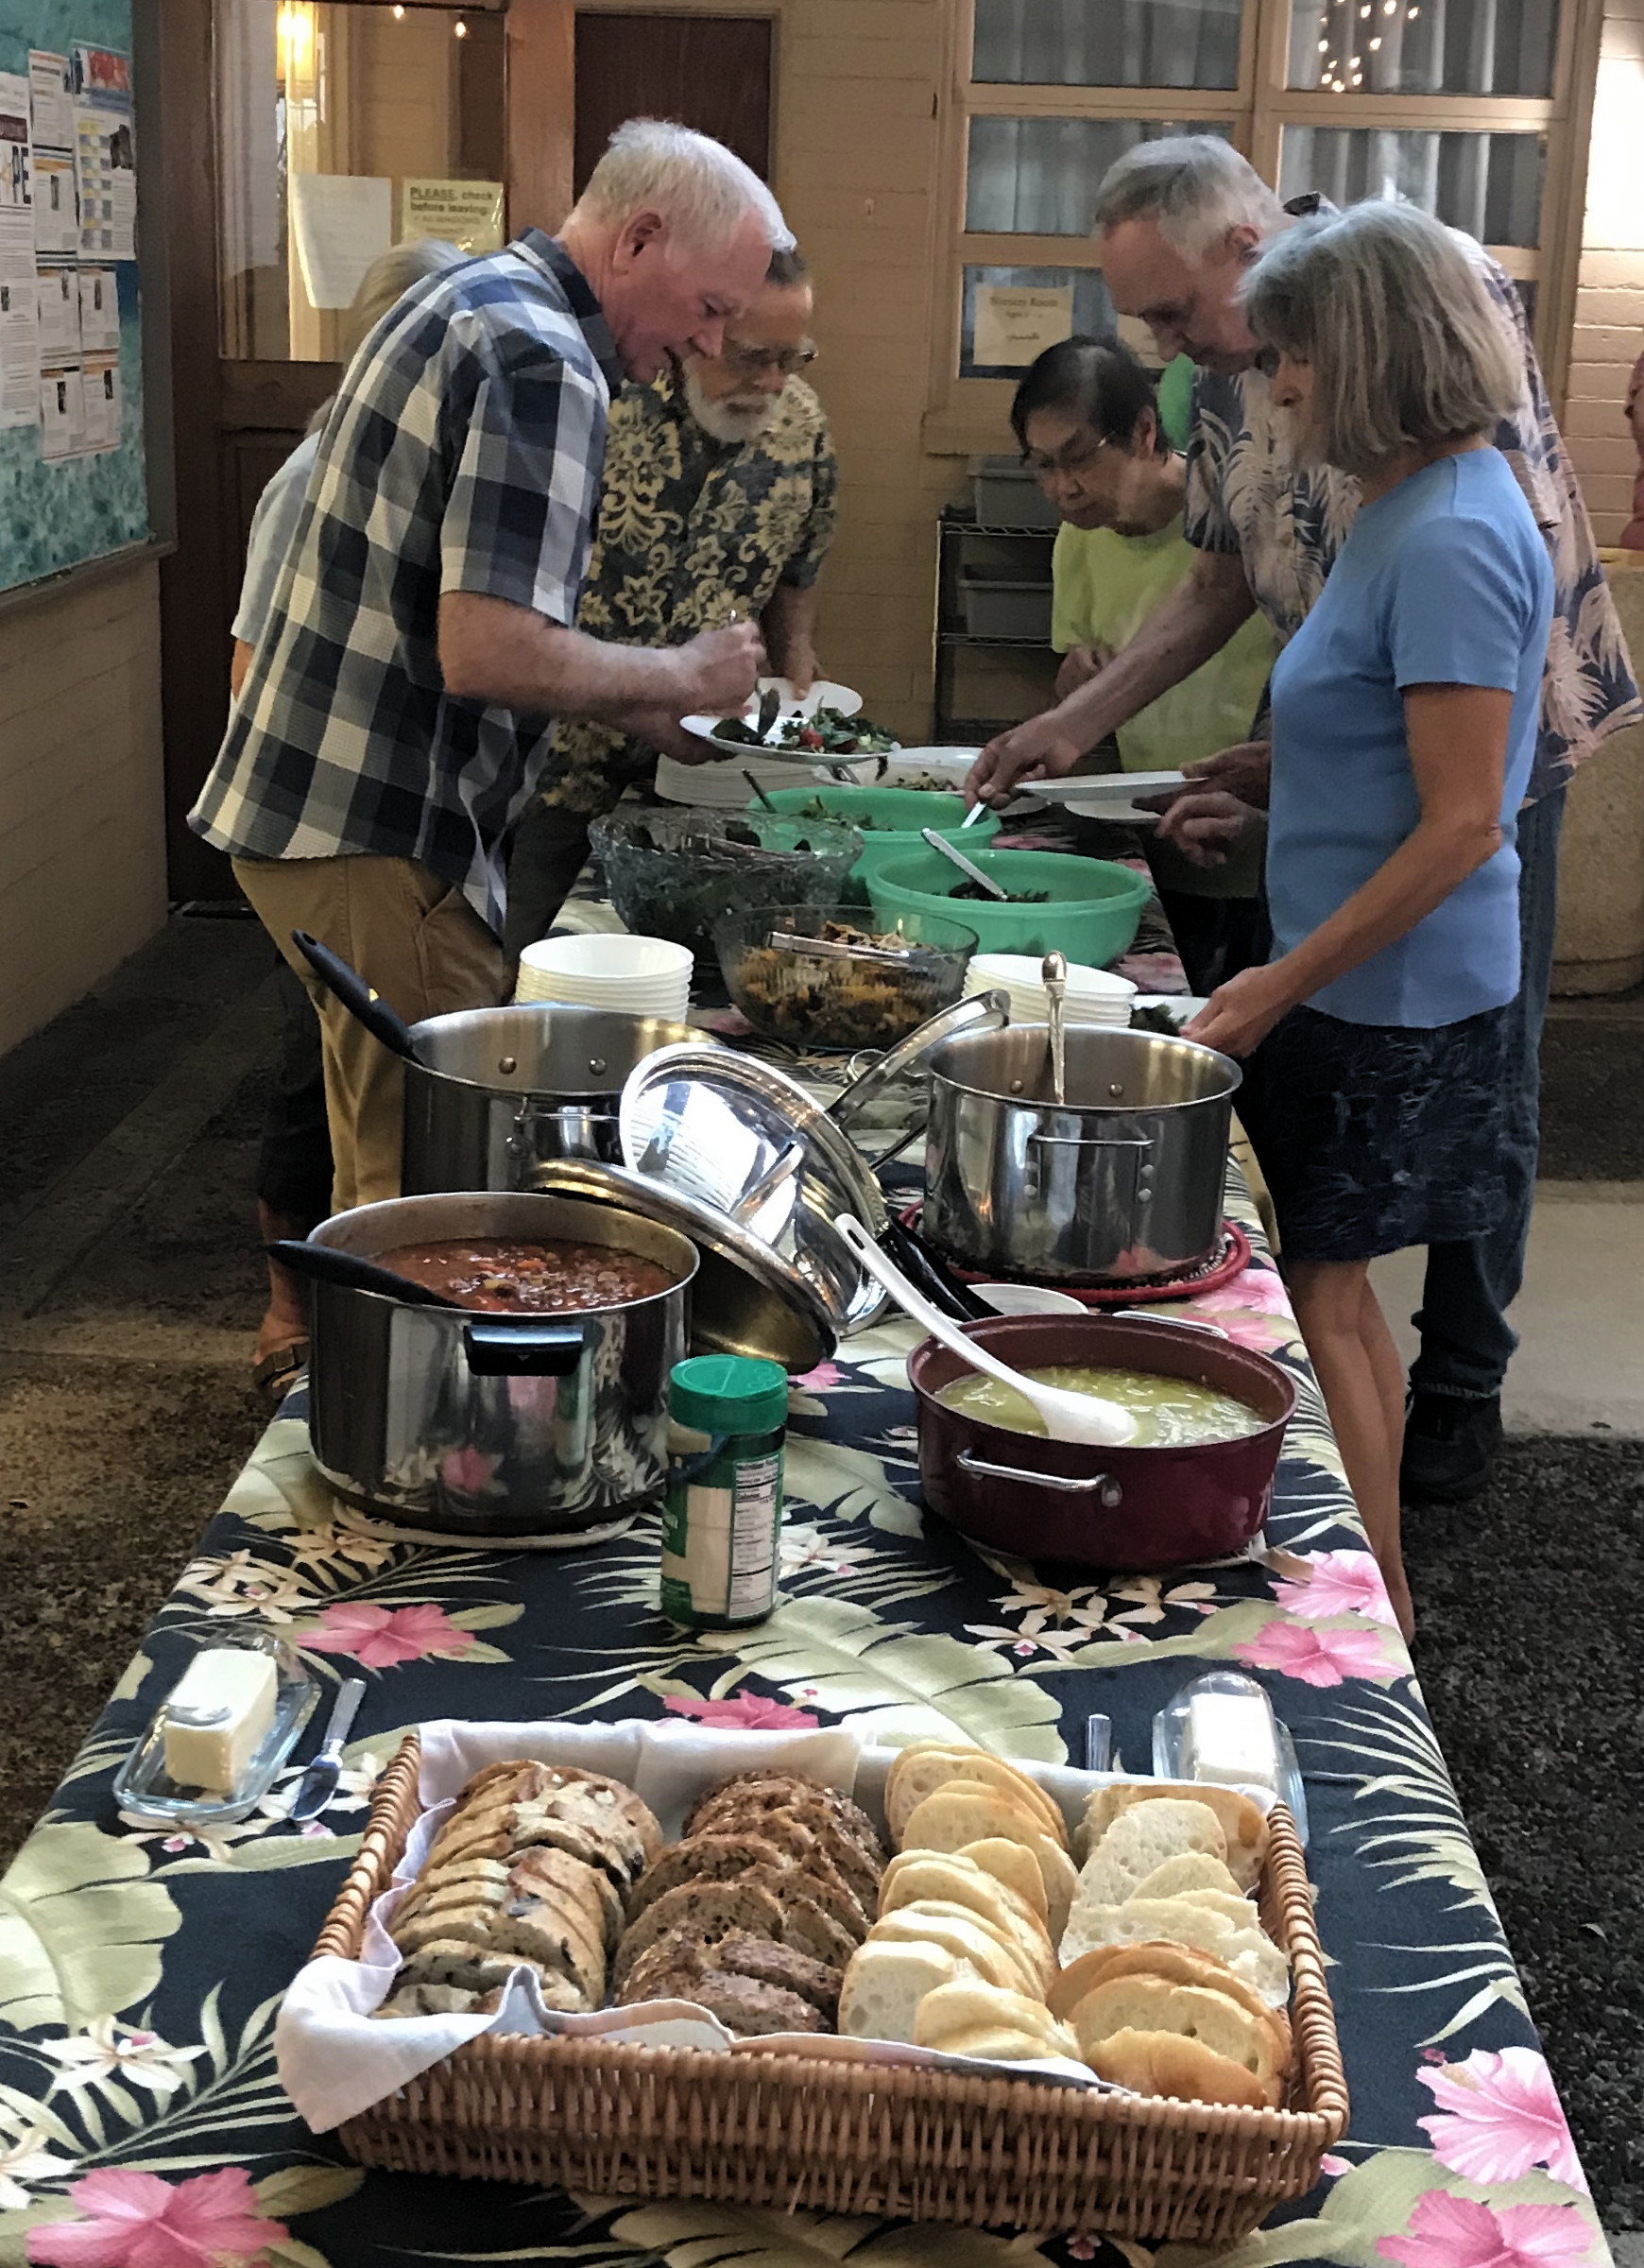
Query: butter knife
{"points": [[317, 1785]]}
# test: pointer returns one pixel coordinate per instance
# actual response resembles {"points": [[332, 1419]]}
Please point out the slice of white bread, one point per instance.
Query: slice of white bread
{"points": [[966, 1935], [1217, 2021], [955, 2011], [1029, 1972], [1176, 1965], [1188, 1870], [965, 1812], [1243, 1824], [925, 1874], [884, 1984], [1163, 2063], [1247, 1952], [926, 1765], [1013, 1864], [1141, 1839], [1240, 1911]]}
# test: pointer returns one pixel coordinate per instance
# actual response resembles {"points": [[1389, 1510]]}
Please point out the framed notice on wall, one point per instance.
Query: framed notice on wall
{"points": [[72, 485]]}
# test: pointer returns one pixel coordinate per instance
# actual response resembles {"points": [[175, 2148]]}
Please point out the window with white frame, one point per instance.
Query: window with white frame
{"points": [[1464, 106]]}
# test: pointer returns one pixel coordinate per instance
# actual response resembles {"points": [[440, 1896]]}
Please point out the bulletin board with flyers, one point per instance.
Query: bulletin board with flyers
{"points": [[72, 485]]}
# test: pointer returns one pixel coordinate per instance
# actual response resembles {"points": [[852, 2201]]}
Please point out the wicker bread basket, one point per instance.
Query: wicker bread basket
{"points": [[622, 2121]]}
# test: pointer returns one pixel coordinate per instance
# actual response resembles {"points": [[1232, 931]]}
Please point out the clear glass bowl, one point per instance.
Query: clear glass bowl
{"points": [[676, 874], [818, 1003]]}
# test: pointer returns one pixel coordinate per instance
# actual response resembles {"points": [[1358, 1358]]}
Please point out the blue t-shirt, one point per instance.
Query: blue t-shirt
{"points": [[1442, 581]]}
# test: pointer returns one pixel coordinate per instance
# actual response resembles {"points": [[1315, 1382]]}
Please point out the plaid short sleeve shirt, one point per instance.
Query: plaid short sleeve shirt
{"points": [[1288, 522], [463, 454]]}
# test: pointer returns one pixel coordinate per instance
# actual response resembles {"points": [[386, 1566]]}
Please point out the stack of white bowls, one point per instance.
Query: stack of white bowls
{"points": [[630, 976], [1093, 995]]}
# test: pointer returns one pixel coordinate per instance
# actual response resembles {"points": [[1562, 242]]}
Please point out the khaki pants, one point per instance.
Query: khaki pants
{"points": [[414, 940]]}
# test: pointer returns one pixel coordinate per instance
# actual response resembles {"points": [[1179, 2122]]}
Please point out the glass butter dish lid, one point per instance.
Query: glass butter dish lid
{"points": [[142, 1787], [1222, 1729]]}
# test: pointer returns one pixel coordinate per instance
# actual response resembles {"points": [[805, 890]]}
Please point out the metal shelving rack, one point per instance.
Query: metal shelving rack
{"points": [[954, 523]]}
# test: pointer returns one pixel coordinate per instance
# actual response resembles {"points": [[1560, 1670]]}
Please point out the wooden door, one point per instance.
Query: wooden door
{"points": [[241, 402], [713, 72]]}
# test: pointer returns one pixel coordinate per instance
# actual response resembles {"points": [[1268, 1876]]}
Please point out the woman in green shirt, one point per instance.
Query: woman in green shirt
{"points": [[1089, 427]]}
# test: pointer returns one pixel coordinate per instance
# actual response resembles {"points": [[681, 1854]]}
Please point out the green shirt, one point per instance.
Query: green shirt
{"points": [[1106, 585]]}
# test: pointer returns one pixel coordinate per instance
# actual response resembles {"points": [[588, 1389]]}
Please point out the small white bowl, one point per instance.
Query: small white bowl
{"points": [[604, 960]]}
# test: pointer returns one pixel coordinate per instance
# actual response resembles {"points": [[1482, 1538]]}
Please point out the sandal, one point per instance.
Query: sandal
{"points": [[276, 1372]]}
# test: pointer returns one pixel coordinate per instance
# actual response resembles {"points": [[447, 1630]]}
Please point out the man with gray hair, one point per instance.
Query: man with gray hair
{"points": [[1179, 221], [395, 713]]}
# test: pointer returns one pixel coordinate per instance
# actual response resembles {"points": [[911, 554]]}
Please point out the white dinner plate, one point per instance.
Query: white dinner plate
{"points": [[823, 695], [1102, 794]]}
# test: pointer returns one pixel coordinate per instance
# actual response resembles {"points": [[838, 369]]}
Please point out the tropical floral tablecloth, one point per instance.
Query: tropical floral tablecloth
{"points": [[142, 2123]]}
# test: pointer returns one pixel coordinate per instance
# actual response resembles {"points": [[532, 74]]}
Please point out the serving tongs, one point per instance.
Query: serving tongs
{"points": [[834, 949]]}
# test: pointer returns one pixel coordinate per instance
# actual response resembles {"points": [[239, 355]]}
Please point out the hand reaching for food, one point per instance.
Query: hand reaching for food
{"points": [[1041, 748], [719, 669]]}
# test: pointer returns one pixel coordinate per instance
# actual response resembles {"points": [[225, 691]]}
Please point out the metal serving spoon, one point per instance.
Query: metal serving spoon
{"points": [[1067, 1417], [1053, 976], [957, 858], [759, 792]]}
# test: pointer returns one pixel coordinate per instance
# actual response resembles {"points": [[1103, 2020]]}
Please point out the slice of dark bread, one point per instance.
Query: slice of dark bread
{"points": [[765, 1792], [702, 1859], [769, 1964], [704, 1911], [751, 2009]]}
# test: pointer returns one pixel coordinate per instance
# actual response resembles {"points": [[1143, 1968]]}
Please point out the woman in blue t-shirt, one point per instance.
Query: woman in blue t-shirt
{"points": [[1404, 717]]}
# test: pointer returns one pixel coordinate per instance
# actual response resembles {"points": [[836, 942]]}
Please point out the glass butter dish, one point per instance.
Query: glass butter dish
{"points": [[144, 1790], [1220, 1730]]}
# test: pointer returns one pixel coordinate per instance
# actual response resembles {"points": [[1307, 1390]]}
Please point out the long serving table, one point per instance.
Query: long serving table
{"points": [[141, 2117]]}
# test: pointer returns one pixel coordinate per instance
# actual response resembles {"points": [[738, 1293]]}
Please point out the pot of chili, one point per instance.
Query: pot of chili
{"points": [[537, 1405]]}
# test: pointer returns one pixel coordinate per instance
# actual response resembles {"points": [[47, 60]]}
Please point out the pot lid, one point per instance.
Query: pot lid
{"points": [[887, 1106], [746, 1140], [745, 1299]]}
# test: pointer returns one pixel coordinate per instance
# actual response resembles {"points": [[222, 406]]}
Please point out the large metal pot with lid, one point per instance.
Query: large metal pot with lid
{"points": [[1123, 1179], [468, 1421], [493, 1095]]}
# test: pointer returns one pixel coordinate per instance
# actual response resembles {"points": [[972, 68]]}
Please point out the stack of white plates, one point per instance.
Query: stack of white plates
{"points": [[1093, 995], [721, 785], [631, 976]]}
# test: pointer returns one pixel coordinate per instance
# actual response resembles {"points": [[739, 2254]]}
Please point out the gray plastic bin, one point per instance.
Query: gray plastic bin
{"points": [[1007, 495], [995, 607]]}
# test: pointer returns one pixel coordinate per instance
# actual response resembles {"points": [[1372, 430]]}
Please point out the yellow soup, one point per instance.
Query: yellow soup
{"points": [[1170, 1413]]}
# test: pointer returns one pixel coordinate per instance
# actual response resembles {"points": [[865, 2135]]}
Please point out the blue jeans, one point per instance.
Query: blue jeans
{"points": [[1466, 1341]]}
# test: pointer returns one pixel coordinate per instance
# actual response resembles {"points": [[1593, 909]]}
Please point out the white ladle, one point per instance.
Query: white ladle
{"points": [[1067, 1417]]}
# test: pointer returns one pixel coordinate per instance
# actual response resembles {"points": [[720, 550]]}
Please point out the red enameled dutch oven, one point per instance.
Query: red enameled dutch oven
{"points": [[1141, 1510]]}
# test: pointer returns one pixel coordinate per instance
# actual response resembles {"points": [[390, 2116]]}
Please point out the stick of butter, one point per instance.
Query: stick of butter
{"points": [[1230, 1739], [218, 1715]]}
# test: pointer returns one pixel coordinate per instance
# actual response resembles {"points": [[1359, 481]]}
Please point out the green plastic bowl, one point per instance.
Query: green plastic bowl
{"points": [[1092, 915], [889, 819]]}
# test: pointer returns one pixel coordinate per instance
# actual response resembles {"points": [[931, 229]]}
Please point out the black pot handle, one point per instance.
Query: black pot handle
{"points": [[347, 984], [511, 1350], [328, 1263]]}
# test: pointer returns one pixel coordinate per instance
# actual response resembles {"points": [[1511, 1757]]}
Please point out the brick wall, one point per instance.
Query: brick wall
{"points": [[1609, 320], [82, 847]]}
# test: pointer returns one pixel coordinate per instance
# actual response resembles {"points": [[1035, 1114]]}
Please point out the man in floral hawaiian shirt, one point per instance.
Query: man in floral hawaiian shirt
{"points": [[719, 501], [1179, 221]]}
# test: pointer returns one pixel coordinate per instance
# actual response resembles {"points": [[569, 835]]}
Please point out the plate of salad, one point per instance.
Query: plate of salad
{"points": [[826, 722]]}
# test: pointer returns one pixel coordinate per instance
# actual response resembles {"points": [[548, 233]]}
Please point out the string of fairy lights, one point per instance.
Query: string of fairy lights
{"points": [[1351, 32]]}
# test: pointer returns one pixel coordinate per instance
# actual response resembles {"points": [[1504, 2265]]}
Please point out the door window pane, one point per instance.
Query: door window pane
{"points": [[1489, 184], [324, 113], [1502, 47], [1081, 305], [1107, 43], [1039, 177]]}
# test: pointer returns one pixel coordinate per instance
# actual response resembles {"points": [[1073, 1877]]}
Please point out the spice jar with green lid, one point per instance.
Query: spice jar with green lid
{"points": [[722, 1520]]}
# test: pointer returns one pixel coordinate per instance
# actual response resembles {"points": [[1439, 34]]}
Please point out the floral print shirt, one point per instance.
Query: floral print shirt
{"points": [[689, 528], [1288, 522]]}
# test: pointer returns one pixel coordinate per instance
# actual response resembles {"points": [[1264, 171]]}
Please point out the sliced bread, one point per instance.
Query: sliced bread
{"points": [[1243, 1824], [885, 1985], [1143, 1838]]}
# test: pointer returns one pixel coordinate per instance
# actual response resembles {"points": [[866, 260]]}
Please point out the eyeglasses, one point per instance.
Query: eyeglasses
{"points": [[1078, 457], [749, 361]]}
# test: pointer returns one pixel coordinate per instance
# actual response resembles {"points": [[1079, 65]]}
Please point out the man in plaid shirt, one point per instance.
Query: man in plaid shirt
{"points": [[397, 710]]}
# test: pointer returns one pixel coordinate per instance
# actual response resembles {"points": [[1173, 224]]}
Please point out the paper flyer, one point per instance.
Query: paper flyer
{"points": [[469, 214], [51, 99], [1015, 323], [56, 222], [59, 300], [105, 153], [343, 221], [19, 319], [63, 413], [99, 296], [100, 402]]}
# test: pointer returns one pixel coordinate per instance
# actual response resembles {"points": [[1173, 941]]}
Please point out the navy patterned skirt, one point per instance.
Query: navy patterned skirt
{"points": [[1374, 1136]]}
